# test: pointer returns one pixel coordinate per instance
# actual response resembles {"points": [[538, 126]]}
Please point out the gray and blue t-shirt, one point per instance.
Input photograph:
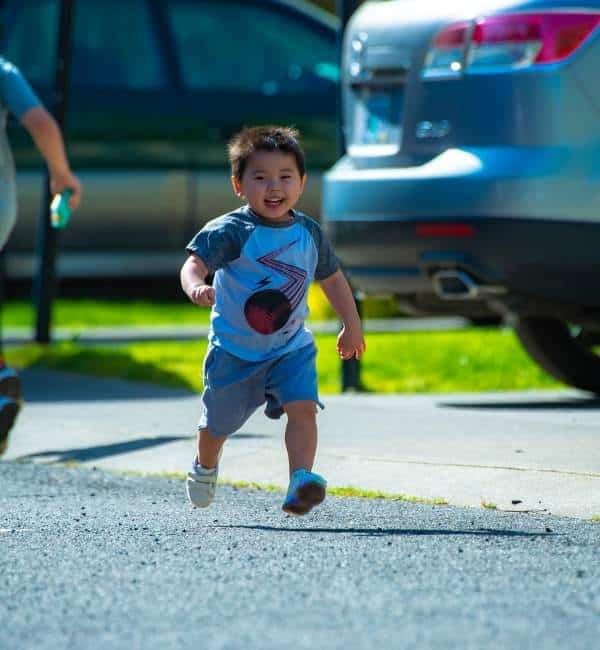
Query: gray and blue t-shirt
{"points": [[17, 97], [262, 271]]}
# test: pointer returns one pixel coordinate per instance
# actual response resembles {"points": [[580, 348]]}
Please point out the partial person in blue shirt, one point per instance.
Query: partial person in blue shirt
{"points": [[264, 257], [18, 98]]}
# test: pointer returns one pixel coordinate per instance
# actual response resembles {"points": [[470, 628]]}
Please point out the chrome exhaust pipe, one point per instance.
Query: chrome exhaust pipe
{"points": [[459, 285]]}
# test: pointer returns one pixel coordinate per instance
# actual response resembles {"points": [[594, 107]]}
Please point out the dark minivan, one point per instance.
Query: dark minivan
{"points": [[157, 89]]}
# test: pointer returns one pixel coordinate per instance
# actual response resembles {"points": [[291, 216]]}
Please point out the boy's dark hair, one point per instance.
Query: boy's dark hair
{"points": [[264, 138]]}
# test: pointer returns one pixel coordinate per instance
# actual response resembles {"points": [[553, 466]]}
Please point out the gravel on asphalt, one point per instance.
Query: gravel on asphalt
{"points": [[90, 559]]}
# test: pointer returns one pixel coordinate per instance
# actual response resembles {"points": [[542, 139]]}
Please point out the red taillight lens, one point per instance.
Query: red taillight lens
{"points": [[447, 51], [511, 40], [454, 36], [527, 39]]}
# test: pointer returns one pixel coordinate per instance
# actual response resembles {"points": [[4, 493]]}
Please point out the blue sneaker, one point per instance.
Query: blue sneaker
{"points": [[306, 491]]}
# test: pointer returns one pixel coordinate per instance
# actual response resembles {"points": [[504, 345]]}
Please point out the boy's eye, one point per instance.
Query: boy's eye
{"points": [[259, 178], [286, 177]]}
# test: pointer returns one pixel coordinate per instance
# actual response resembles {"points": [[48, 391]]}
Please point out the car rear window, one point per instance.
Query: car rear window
{"points": [[108, 52], [116, 46], [250, 47]]}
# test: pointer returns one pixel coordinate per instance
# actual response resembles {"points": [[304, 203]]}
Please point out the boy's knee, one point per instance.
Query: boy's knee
{"points": [[301, 410]]}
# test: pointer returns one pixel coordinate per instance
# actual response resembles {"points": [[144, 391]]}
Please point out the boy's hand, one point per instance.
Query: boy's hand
{"points": [[350, 343], [66, 180], [202, 295]]}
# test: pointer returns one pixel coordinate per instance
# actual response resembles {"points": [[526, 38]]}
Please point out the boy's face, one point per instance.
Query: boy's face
{"points": [[271, 184]]}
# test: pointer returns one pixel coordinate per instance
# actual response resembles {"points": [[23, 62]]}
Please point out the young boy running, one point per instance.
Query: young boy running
{"points": [[264, 257]]}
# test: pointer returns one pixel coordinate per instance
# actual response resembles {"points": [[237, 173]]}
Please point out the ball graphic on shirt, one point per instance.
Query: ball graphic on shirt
{"points": [[267, 311]]}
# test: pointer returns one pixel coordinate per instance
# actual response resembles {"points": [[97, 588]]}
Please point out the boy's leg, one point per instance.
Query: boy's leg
{"points": [[306, 489], [231, 394], [201, 483], [301, 434], [209, 448], [292, 388]]}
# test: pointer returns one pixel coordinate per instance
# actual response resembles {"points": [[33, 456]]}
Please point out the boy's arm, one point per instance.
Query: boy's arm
{"points": [[193, 282], [46, 134], [351, 342]]}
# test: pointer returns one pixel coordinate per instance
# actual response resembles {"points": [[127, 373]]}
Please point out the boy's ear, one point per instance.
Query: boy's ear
{"points": [[237, 186], [303, 182]]}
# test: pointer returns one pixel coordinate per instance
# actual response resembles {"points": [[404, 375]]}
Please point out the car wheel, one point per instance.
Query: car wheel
{"points": [[566, 352]]}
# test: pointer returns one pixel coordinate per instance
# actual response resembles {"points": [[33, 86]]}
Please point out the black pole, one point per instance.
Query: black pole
{"points": [[345, 9], [44, 286]]}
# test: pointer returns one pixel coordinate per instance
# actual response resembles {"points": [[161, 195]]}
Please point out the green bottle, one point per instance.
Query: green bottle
{"points": [[60, 212]]}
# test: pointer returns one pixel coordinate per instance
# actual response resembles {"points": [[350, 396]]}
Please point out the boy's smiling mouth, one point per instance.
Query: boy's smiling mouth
{"points": [[274, 203]]}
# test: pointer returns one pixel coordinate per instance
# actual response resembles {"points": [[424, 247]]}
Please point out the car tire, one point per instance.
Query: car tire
{"points": [[552, 344]]}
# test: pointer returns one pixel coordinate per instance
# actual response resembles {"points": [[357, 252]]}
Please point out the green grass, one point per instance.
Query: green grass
{"points": [[342, 492], [83, 314], [596, 519], [105, 313], [489, 505], [403, 362]]}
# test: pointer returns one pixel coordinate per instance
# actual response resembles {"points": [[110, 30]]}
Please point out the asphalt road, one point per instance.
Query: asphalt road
{"points": [[97, 560]]}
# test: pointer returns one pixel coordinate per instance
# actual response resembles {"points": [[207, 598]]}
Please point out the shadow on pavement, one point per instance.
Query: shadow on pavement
{"points": [[84, 454], [591, 403], [382, 532], [41, 385]]}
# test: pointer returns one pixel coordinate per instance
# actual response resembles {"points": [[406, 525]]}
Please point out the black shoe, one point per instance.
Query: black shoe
{"points": [[8, 414], [10, 384]]}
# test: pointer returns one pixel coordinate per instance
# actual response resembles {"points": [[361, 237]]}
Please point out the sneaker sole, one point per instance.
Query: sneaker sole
{"points": [[8, 415], [309, 496]]}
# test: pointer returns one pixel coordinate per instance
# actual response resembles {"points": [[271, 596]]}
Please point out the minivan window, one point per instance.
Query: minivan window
{"points": [[105, 57], [245, 46], [30, 41]]}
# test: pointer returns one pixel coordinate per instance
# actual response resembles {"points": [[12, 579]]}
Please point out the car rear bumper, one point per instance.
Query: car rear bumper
{"points": [[531, 230], [535, 259], [532, 183]]}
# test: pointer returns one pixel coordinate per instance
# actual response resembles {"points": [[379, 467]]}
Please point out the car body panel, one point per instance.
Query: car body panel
{"points": [[512, 155]]}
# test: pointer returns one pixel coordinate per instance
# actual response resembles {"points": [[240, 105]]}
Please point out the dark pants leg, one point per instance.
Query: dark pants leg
{"points": [[10, 384]]}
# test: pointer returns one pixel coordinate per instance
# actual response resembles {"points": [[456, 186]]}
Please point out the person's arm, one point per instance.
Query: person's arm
{"points": [[350, 342], [46, 134], [193, 282]]}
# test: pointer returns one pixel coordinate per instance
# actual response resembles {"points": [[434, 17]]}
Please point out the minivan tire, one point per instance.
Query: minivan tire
{"points": [[550, 343]]}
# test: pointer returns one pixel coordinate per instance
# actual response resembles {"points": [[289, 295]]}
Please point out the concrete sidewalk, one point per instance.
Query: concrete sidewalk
{"points": [[538, 449]]}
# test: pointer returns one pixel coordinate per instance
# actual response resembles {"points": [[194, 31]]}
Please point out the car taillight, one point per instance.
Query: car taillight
{"points": [[512, 41], [447, 52], [521, 40]]}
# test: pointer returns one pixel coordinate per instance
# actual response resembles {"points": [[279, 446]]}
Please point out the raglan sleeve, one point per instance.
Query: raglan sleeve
{"points": [[218, 243], [15, 91], [327, 261]]}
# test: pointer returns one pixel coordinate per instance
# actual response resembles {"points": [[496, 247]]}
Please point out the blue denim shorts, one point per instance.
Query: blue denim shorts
{"points": [[234, 388]]}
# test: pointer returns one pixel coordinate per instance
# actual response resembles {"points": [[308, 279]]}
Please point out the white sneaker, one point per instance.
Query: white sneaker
{"points": [[201, 484]]}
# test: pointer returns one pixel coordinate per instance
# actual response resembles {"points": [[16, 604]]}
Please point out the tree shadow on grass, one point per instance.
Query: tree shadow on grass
{"points": [[384, 532]]}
